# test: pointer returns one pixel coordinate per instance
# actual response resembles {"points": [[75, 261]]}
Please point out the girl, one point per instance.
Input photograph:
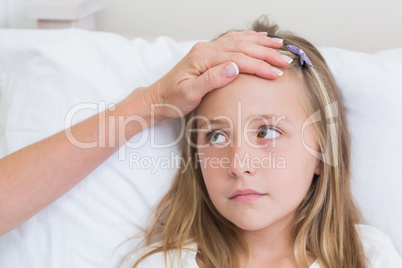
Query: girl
{"points": [[269, 179]]}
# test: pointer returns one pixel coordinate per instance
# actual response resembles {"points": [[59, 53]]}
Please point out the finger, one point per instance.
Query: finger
{"points": [[216, 77], [245, 63], [254, 66], [265, 40], [246, 32], [257, 47], [261, 39], [271, 56]]}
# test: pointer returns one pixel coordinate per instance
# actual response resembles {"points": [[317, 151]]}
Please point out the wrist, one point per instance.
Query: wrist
{"points": [[142, 102]]}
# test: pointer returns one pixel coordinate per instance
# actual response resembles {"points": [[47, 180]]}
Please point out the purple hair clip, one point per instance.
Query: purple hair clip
{"points": [[301, 53]]}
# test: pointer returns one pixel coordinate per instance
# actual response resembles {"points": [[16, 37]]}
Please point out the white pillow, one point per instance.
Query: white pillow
{"points": [[43, 74], [371, 86]]}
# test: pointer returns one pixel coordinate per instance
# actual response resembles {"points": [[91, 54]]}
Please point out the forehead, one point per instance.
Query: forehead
{"points": [[250, 95]]}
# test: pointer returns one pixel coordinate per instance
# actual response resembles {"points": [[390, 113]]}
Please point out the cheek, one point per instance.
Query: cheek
{"points": [[213, 175], [305, 151], [295, 180]]}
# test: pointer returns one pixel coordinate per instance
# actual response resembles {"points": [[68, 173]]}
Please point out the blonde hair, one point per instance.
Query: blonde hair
{"points": [[324, 224]]}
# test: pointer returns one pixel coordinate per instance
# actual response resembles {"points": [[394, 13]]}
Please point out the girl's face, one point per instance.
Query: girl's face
{"points": [[253, 160]]}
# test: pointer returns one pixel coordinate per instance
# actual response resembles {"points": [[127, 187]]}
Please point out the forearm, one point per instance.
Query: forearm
{"points": [[35, 176]]}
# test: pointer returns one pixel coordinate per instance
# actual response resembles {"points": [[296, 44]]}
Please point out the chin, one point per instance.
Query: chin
{"points": [[250, 224]]}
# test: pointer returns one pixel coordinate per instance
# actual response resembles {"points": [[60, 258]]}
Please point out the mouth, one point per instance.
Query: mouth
{"points": [[246, 195]]}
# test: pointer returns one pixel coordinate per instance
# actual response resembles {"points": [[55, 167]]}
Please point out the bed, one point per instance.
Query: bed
{"points": [[50, 79]]}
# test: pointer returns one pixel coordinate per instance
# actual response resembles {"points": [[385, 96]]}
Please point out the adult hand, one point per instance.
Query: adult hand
{"points": [[211, 65]]}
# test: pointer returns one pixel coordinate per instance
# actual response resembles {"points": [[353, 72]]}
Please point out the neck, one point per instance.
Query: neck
{"points": [[271, 247], [270, 243]]}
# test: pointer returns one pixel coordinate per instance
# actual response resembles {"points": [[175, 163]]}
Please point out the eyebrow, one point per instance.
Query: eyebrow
{"points": [[282, 118]]}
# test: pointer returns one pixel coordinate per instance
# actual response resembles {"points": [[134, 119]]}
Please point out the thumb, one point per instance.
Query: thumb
{"points": [[216, 77]]}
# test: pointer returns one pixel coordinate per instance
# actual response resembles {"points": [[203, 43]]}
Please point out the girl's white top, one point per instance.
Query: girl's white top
{"points": [[378, 249]]}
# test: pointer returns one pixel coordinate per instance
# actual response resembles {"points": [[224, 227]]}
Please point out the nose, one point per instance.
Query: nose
{"points": [[240, 161]]}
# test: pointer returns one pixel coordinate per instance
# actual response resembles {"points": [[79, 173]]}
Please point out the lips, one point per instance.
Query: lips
{"points": [[245, 192]]}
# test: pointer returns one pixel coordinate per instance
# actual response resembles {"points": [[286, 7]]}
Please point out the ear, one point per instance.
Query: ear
{"points": [[318, 166]]}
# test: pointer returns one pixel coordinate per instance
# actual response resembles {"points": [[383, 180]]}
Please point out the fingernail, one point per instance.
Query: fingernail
{"points": [[231, 70], [287, 58], [277, 40], [277, 71], [266, 33]]}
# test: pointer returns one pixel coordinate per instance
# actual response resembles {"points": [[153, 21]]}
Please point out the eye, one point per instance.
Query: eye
{"points": [[267, 132], [215, 137]]}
